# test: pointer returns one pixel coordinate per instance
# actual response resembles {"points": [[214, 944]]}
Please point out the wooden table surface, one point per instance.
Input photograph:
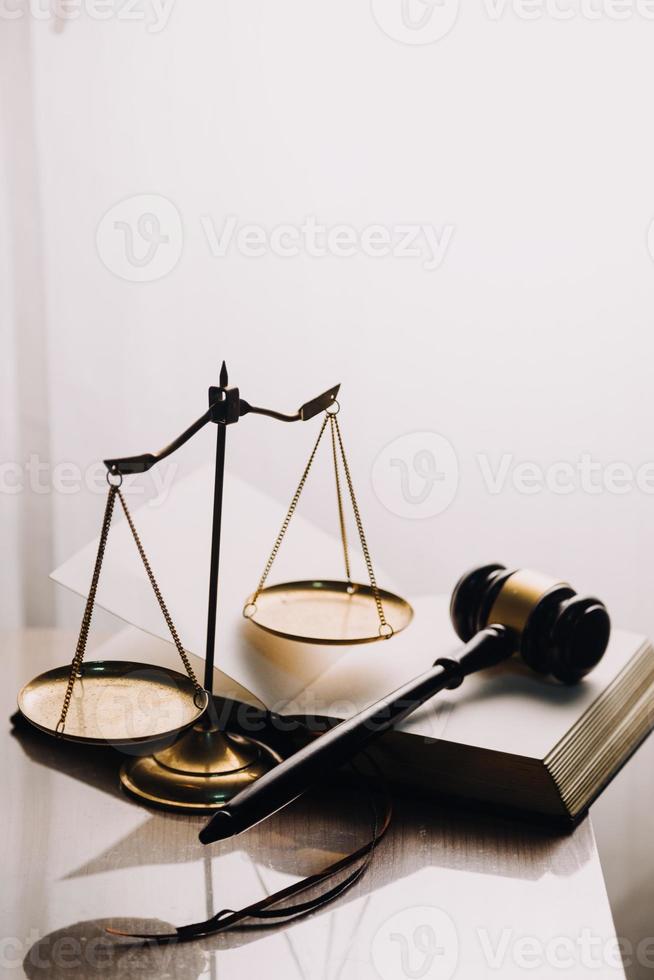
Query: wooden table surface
{"points": [[449, 894]]}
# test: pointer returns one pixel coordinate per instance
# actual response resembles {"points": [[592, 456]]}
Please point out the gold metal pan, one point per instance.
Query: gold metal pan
{"points": [[114, 701], [327, 612]]}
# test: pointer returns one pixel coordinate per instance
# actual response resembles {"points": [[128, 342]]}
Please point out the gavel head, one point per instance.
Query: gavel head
{"points": [[556, 631]]}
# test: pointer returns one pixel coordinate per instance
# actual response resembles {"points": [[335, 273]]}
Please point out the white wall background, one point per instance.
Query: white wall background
{"points": [[532, 139], [533, 338]]}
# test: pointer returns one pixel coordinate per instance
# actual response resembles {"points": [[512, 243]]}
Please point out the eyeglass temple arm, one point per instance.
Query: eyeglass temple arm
{"points": [[220, 410]]}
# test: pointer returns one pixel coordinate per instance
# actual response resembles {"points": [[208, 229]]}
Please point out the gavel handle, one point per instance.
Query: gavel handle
{"points": [[296, 774]]}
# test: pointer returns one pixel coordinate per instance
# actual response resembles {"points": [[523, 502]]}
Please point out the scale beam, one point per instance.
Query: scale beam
{"points": [[140, 464], [223, 402], [307, 411]]}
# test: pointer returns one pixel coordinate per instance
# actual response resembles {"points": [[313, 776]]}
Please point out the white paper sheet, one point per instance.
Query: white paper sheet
{"points": [[177, 539]]}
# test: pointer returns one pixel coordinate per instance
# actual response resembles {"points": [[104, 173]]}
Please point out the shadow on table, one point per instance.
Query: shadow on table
{"points": [[330, 822], [85, 950], [299, 840]]}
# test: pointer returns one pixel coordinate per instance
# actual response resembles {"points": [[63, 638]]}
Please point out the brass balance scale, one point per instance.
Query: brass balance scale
{"points": [[194, 765]]}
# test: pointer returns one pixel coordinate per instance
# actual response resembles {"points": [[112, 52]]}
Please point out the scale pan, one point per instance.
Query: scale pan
{"points": [[326, 612], [114, 701]]}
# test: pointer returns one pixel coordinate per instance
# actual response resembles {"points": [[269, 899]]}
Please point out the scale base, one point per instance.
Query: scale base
{"points": [[200, 773]]}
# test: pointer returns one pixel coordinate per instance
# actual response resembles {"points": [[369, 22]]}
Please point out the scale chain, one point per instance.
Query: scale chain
{"points": [[160, 599], [385, 628], [339, 497], [80, 650], [287, 520]]}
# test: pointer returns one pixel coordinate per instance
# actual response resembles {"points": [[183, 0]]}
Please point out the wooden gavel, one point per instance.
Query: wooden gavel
{"points": [[499, 614]]}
